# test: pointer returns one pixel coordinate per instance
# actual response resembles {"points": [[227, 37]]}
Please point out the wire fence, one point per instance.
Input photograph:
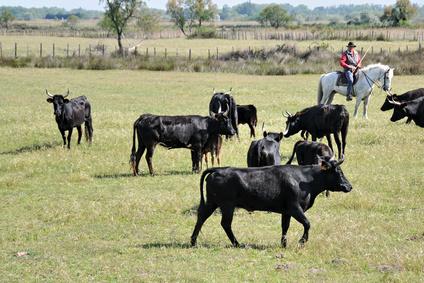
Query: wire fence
{"points": [[82, 50]]}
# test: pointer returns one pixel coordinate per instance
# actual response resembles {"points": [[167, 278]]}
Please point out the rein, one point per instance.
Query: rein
{"points": [[377, 81]]}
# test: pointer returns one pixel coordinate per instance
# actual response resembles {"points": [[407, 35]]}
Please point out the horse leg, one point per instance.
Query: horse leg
{"points": [[366, 101], [357, 103], [331, 97]]}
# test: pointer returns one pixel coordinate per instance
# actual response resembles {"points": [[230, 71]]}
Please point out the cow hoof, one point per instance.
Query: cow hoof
{"points": [[193, 243], [301, 243]]}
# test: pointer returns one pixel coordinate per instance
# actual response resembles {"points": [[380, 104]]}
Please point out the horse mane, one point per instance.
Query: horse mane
{"points": [[372, 66]]}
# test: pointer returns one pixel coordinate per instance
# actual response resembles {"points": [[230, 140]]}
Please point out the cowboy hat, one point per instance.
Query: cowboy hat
{"points": [[351, 44]]}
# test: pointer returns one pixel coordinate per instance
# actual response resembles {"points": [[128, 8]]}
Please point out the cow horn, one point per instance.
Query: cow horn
{"points": [[48, 94], [229, 92], [67, 93], [263, 126], [213, 91], [340, 161], [392, 101], [287, 114]]}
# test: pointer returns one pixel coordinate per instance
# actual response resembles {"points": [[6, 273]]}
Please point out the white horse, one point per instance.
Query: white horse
{"points": [[371, 75]]}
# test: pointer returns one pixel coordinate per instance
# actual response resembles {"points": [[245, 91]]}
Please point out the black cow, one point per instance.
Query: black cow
{"points": [[192, 132], [289, 190], [309, 153], [72, 114], [265, 151], [413, 109], [224, 102], [214, 148], [319, 121], [247, 115], [407, 96]]}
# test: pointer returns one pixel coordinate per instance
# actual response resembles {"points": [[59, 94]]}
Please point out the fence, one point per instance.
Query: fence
{"points": [[256, 33], [53, 50]]}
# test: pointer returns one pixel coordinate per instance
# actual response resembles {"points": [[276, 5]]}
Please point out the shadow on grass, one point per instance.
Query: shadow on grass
{"points": [[113, 176], [142, 174], [31, 148], [207, 246]]}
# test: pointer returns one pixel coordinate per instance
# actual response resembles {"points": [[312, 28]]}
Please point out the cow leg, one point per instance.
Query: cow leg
{"points": [[226, 220], [330, 144], [285, 224], [314, 138], [252, 130], [88, 130], [339, 146], [203, 213], [298, 214], [206, 160], [69, 138], [138, 155], [149, 155], [62, 132], [79, 134], [196, 158]]}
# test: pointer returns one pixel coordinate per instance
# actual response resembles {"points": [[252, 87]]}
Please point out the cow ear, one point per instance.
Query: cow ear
{"points": [[325, 165], [280, 137], [265, 134], [49, 100], [66, 100]]}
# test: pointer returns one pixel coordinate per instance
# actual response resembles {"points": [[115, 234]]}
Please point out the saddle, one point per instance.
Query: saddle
{"points": [[342, 80]]}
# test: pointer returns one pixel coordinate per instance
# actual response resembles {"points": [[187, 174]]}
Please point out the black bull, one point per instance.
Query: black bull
{"points": [[320, 121], [413, 109], [192, 132], [224, 102], [247, 114], [288, 190], [71, 114]]}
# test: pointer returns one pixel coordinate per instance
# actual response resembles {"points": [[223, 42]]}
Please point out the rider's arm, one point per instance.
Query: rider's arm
{"points": [[343, 60]]}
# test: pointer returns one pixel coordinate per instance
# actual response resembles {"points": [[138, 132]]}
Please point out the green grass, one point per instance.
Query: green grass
{"points": [[200, 47], [82, 217]]}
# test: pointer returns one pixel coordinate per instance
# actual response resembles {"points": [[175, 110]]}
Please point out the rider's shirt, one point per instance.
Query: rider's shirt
{"points": [[350, 59]]}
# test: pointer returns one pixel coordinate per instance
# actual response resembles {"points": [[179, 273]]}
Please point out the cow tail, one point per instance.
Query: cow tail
{"points": [[255, 117], [202, 179], [294, 152], [133, 156], [320, 91]]}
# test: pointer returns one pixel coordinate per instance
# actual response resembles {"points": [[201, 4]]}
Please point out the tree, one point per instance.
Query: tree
{"points": [[119, 12], [6, 17], [185, 13], [399, 14], [148, 20], [204, 10], [175, 8], [72, 21], [274, 15]]}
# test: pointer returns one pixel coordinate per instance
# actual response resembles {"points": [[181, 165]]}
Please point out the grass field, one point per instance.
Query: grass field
{"points": [[80, 216], [30, 45]]}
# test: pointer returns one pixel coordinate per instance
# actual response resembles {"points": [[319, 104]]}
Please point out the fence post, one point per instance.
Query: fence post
{"points": [[147, 51], [209, 54], [189, 54], [89, 50], [67, 50], [1, 50], [154, 51], [103, 50], [79, 50], [53, 50], [41, 50], [166, 53], [16, 50], [176, 53], [217, 54]]}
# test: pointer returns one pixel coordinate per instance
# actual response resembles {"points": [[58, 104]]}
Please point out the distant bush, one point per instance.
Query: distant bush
{"points": [[203, 32]]}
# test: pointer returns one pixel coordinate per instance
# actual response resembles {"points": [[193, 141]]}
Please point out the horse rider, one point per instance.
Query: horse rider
{"points": [[351, 62]]}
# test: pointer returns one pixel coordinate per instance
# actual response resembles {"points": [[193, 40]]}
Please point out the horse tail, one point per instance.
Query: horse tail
{"points": [[320, 91]]}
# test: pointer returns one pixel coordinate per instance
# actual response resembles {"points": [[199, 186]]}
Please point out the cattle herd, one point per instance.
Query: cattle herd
{"points": [[265, 185]]}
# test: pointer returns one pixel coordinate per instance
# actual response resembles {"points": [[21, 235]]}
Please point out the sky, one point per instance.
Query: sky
{"points": [[94, 4]]}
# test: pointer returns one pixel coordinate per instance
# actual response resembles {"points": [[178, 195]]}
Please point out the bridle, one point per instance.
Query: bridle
{"points": [[377, 81]]}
